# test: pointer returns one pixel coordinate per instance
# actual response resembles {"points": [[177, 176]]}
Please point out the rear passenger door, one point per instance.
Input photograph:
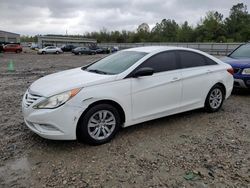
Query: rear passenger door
{"points": [[197, 78], [159, 94]]}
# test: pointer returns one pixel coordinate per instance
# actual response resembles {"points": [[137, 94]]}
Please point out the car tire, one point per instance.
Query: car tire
{"points": [[57, 52], [43, 52], [215, 98], [79, 53], [94, 130], [18, 51]]}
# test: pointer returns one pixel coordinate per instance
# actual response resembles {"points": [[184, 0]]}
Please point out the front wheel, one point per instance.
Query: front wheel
{"points": [[215, 99], [99, 124]]}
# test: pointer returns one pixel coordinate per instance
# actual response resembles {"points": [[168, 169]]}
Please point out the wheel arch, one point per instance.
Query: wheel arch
{"points": [[219, 84], [104, 101], [222, 86]]}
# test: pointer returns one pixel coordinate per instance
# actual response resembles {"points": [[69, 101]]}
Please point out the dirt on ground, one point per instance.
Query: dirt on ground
{"points": [[192, 149]]}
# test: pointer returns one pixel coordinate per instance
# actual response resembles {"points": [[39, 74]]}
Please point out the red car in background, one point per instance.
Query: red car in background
{"points": [[13, 48]]}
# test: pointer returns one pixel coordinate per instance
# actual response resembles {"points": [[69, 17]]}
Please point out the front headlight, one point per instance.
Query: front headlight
{"points": [[57, 100], [246, 71]]}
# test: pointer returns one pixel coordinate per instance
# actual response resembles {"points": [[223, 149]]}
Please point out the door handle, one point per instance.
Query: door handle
{"points": [[174, 79], [209, 71]]}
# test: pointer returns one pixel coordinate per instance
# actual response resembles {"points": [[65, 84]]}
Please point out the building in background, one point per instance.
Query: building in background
{"points": [[60, 40], [8, 37]]}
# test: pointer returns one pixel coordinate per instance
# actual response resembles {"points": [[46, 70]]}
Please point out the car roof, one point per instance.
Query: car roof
{"points": [[151, 49]]}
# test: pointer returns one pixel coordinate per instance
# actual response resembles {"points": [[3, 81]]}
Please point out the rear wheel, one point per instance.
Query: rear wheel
{"points": [[57, 52], [18, 51], [43, 52], [99, 125], [215, 98], [79, 53]]}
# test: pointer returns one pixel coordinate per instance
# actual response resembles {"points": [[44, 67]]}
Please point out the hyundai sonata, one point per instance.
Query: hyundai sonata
{"points": [[91, 103]]}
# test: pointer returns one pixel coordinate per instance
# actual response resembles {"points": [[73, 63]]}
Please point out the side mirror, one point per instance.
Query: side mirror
{"points": [[145, 71]]}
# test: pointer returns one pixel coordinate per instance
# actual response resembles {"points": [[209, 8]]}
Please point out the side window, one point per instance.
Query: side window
{"points": [[164, 61], [191, 59], [210, 61]]}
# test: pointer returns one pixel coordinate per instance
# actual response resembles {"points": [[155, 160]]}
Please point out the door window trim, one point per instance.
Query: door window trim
{"points": [[176, 61], [203, 56]]}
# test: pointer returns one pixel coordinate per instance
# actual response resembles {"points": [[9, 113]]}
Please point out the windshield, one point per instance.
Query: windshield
{"points": [[116, 63], [242, 52]]}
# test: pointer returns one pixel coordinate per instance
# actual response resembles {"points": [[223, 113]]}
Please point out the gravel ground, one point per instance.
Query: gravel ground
{"points": [[192, 149]]}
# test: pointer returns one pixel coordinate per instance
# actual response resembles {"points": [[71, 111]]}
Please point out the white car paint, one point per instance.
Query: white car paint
{"points": [[50, 50], [142, 99]]}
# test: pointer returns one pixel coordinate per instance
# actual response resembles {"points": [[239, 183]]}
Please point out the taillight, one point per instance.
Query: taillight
{"points": [[231, 71]]}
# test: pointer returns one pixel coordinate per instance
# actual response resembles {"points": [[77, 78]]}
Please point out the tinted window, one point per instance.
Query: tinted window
{"points": [[191, 59], [210, 61], [164, 61]]}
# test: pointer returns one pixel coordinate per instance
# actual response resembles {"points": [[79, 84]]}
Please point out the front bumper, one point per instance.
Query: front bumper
{"points": [[242, 81], [55, 124]]}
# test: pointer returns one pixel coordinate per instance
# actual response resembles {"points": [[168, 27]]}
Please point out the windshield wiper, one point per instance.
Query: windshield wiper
{"points": [[96, 71]]}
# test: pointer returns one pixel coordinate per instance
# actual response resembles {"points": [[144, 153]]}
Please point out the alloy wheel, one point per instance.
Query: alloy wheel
{"points": [[101, 124], [215, 98]]}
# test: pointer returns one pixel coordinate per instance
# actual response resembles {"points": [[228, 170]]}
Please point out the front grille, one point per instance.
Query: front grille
{"points": [[30, 99], [236, 70]]}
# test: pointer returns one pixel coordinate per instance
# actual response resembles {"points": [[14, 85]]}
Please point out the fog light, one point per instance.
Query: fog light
{"points": [[48, 127]]}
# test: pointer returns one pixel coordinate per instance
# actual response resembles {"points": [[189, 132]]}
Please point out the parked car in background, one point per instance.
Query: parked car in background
{"points": [[104, 50], [131, 86], [83, 50], [1, 48], [115, 49], [239, 59], [112, 49], [50, 50], [34, 46], [68, 47], [17, 48], [97, 49]]}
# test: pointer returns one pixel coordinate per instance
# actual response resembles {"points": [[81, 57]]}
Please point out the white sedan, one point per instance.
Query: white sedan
{"points": [[50, 50], [91, 103]]}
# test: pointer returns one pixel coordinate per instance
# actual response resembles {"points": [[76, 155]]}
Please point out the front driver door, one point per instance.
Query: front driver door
{"points": [[159, 94]]}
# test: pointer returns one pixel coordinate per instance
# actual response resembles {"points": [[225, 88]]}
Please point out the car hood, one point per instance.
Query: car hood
{"points": [[66, 80], [239, 63]]}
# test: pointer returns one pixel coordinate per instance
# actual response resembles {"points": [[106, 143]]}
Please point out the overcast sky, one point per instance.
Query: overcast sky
{"points": [[30, 17]]}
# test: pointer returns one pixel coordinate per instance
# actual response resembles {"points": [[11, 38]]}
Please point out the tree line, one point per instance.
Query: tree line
{"points": [[212, 28]]}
